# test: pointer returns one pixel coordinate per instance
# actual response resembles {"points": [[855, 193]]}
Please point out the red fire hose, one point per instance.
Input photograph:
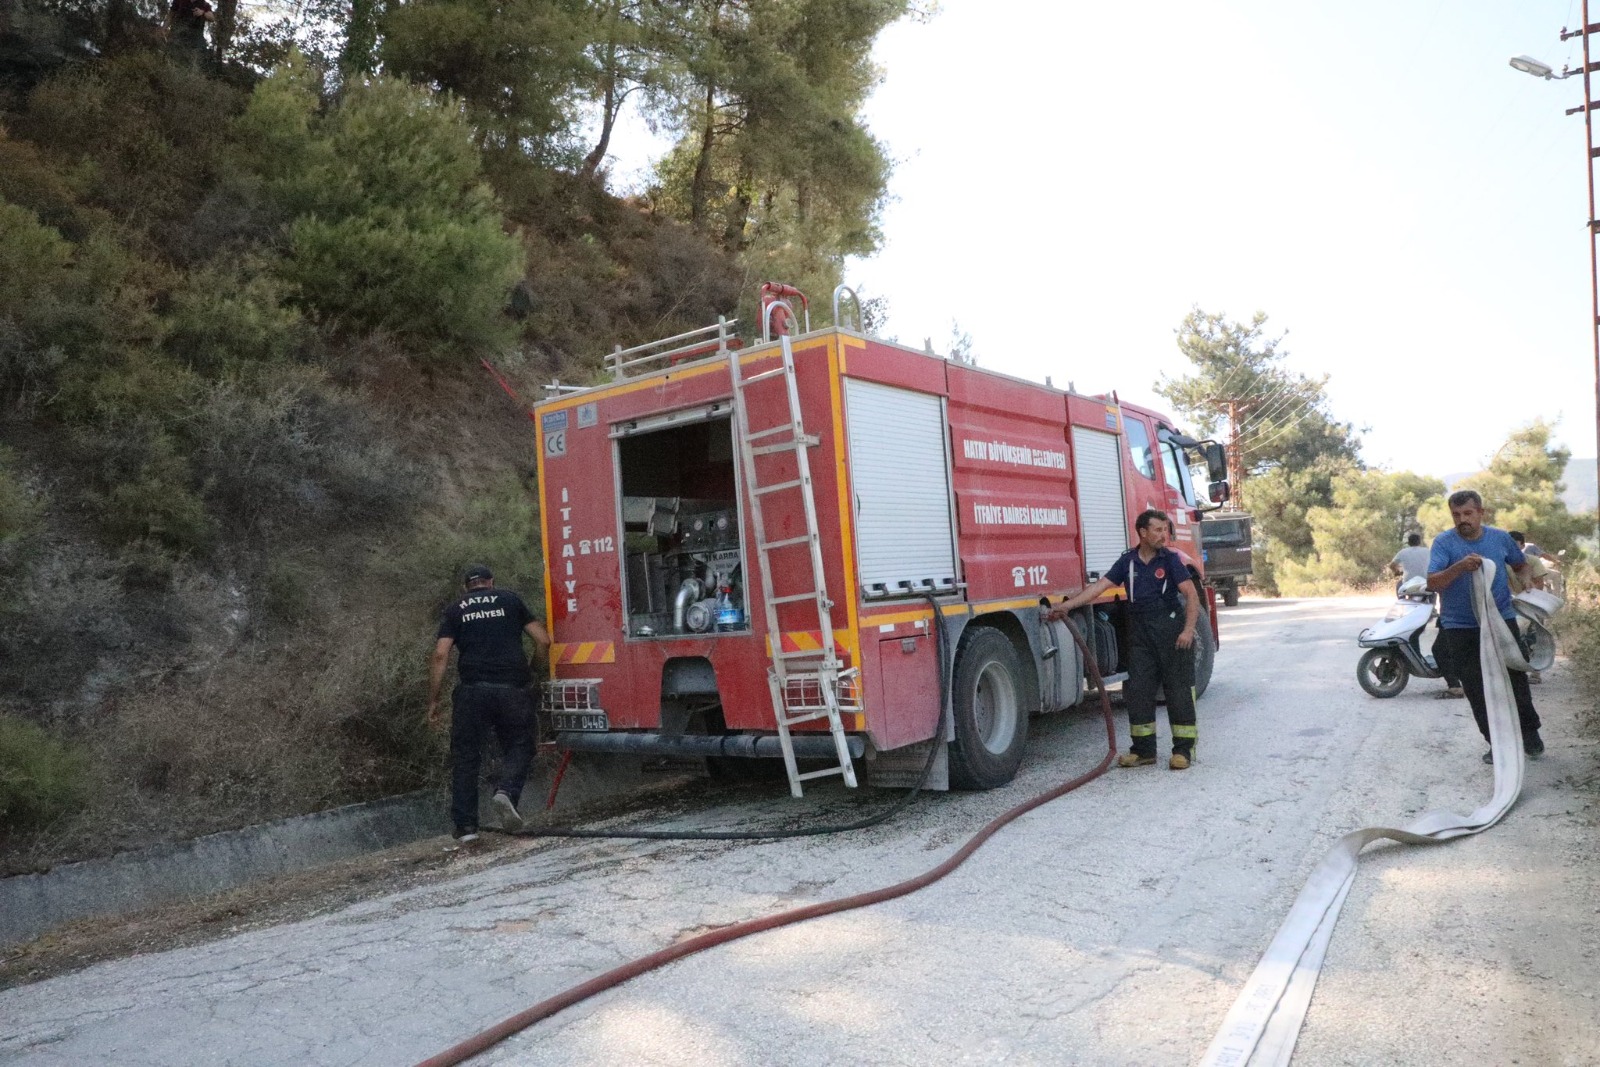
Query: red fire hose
{"points": [[616, 976]]}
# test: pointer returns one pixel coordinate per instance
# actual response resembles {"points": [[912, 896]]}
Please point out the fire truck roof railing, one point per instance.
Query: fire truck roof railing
{"points": [[707, 340]]}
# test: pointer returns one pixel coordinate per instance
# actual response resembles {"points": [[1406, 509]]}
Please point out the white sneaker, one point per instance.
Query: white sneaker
{"points": [[510, 820]]}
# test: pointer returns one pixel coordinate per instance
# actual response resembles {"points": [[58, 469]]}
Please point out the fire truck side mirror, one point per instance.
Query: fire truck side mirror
{"points": [[1216, 464], [1219, 492]]}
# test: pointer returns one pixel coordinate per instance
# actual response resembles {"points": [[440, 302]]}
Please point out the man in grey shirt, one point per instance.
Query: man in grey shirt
{"points": [[1411, 560]]}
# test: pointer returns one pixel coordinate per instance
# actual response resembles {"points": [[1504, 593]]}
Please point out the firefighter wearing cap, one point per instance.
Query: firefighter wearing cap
{"points": [[485, 626], [1162, 609]]}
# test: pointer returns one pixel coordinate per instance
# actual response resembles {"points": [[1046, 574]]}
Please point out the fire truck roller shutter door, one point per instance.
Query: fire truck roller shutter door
{"points": [[899, 467], [1097, 462]]}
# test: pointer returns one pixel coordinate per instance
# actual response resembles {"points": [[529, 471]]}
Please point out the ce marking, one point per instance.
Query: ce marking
{"points": [[555, 443]]}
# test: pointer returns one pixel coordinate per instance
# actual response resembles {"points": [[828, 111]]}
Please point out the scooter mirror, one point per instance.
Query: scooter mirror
{"points": [[1414, 585]]}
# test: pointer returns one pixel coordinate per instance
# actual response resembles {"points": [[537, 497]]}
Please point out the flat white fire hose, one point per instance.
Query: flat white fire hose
{"points": [[1261, 1028]]}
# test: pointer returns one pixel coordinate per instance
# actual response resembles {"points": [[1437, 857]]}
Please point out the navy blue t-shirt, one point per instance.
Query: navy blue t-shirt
{"points": [[1151, 586], [487, 626], [1455, 599]]}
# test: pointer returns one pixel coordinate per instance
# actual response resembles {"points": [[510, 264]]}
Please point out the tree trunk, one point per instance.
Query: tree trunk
{"points": [[698, 190], [608, 118], [361, 38], [733, 235], [223, 29]]}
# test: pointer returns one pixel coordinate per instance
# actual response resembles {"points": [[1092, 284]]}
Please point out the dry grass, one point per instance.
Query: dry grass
{"points": [[1578, 626]]}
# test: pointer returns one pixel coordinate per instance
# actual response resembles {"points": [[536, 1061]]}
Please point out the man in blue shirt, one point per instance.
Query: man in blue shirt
{"points": [[1456, 554], [1162, 609]]}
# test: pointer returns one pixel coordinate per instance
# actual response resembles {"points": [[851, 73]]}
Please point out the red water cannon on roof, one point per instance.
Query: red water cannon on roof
{"points": [[777, 310]]}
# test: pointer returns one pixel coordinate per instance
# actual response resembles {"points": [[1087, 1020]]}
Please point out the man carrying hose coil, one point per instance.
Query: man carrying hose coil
{"points": [[1456, 554], [1163, 607]]}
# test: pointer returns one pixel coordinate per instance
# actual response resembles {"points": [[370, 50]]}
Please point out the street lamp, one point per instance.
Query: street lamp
{"points": [[1529, 65]]}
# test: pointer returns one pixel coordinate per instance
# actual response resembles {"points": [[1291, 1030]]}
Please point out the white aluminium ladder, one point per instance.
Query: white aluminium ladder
{"points": [[805, 684]]}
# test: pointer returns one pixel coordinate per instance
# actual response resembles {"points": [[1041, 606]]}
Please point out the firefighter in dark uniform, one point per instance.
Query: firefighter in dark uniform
{"points": [[486, 626], [1162, 610]]}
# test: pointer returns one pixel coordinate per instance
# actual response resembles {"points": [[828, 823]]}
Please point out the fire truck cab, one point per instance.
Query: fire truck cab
{"points": [[810, 547]]}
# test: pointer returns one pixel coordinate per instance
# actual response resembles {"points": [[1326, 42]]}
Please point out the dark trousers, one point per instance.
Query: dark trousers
{"points": [[1155, 662], [475, 710], [1459, 648], [1451, 678]]}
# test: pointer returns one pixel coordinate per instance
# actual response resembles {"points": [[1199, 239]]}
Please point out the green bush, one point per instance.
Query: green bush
{"points": [[156, 503], [393, 228], [41, 778], [153, 132], [19, 511], [229, 313]]}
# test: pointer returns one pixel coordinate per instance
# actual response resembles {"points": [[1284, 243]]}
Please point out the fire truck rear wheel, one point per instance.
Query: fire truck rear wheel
{"points": [[1205, 655], [991, 719]]}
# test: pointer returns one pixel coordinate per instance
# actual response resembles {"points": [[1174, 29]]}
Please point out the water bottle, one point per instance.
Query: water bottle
{"points": [[728, 616]]}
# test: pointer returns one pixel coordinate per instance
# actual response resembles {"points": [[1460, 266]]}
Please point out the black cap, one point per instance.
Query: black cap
{"points": [[478, 573]]}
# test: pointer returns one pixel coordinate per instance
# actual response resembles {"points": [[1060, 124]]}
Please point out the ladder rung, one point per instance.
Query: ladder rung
{"points": [[769, 431], [758, 377], [802, 653], [809, 440], [820, 774], [793, 598], [805, 716], [763, 490], [785, 543]]}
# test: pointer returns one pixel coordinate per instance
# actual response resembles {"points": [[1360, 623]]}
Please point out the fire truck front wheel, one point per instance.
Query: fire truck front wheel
{"points": [[990, 717]]}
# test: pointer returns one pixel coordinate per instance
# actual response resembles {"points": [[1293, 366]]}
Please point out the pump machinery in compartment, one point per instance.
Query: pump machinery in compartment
{"points": [[685, 574]]}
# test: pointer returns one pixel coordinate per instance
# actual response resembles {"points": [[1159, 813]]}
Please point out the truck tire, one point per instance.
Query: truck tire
{"points": [[1205, 654], [1230, 596], [1382, 673], [990, 717]]}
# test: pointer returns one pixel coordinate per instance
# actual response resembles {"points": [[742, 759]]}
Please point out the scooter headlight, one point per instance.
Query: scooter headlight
{"points": [[1395, 611]]}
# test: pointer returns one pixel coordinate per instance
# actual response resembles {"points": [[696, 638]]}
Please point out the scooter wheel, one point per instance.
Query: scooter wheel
{"points": [[1382, 672]]}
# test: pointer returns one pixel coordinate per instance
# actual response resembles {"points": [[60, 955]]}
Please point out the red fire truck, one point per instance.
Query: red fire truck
{"points": [[809, 547]]}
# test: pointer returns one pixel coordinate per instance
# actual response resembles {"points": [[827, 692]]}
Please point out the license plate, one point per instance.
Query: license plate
{"points": [[592, 721]]}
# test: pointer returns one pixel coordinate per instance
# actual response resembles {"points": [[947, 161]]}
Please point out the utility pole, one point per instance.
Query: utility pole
{"points": [[1587, 107], [1237, 410]]}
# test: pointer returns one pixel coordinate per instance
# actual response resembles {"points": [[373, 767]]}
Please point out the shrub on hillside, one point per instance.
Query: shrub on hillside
{"points": [[19, 511], [282, 451], [41, 778], [154, 132], [232, 312], [393, 228]]}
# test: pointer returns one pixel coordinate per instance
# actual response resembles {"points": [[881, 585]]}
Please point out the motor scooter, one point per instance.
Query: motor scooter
{"points": [[1394, 646]]}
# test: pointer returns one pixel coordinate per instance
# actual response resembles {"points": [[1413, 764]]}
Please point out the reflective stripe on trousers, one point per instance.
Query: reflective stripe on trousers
{"points": [[1156, 662]]}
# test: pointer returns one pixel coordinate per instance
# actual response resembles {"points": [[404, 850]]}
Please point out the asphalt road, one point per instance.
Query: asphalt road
{"points": [[1113, 926]]}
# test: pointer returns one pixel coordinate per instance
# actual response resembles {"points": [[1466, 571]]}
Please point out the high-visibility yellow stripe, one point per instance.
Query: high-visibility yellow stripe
{"points": [[584, 652], [546, 506], [837, 344], [1142, 729], [1190, 732]]}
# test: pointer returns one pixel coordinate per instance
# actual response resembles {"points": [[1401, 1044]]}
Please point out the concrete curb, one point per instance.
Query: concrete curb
{"points": [[31, 904]]}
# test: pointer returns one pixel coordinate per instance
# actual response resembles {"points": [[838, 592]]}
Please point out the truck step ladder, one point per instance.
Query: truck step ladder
{"points": [[806, 686]]}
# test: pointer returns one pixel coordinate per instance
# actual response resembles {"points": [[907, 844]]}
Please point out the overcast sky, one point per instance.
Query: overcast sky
{"points": [[1072, 177], [1372, 174]]}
